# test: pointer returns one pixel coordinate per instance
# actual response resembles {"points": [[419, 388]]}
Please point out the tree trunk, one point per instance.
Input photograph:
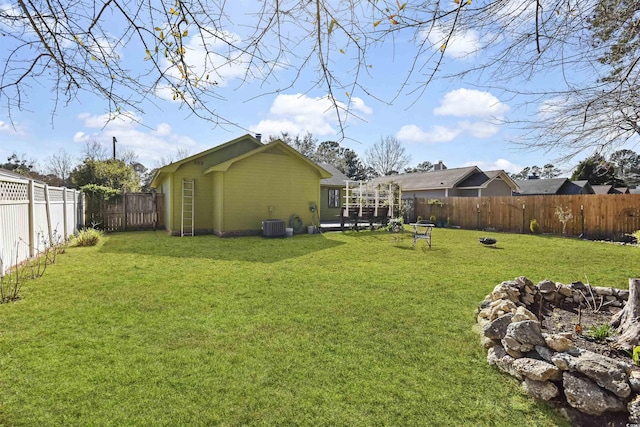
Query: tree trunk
{"points": [[627, 321]]}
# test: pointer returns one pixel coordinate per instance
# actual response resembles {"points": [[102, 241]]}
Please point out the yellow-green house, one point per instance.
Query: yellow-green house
{"points": [[231, 188], [332, 194]]}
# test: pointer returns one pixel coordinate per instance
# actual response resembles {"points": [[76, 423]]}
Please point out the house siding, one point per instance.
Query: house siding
{"points": [[203, 203], [327, 213], [270, 178], [427, 194], [496, 188], [218, 202], [165, 188], [463, 192]]}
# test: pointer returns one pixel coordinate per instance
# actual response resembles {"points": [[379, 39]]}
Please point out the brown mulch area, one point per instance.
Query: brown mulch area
{"points": [[564, 318]]}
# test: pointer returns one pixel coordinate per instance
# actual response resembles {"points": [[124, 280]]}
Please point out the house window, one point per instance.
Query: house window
{"points": [[334, 197]]}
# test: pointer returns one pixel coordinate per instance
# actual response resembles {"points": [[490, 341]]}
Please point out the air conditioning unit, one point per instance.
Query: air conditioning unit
{"points": [[273, 228]]}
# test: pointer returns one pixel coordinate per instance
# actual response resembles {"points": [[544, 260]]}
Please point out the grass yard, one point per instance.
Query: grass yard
{"points": [[353, 329]]}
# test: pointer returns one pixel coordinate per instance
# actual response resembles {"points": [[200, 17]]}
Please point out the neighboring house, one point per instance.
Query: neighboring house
{"points": [[456, 182], [332, 193], [555, 186], [237, 185], [609, 189]]}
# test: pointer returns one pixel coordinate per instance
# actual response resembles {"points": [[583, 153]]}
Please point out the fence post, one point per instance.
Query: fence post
{"points": [[64, 211], [124, 211], [48, 210], [32, 218]]}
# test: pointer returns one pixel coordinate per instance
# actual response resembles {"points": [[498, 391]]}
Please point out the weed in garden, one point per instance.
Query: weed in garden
{"points": [[600, 332]]}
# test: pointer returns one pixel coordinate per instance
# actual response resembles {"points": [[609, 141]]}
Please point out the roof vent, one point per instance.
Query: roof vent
{"points": [[259, 136]]}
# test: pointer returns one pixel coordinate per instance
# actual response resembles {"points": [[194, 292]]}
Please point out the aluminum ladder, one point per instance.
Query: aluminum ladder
{"points": [[186, 227]]}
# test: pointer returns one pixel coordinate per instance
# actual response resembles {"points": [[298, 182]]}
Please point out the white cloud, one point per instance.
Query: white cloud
{"points": [[358, 105], [499, 164], [149, 144], [461, 44], [480, 130], [299, 113], [414, 134], [470, 103], [11, 129]]}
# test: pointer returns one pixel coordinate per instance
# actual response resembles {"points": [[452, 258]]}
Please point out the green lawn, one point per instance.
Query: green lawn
{"points": [[353, 329]]}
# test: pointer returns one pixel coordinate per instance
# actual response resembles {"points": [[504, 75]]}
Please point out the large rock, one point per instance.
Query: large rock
{"points": [[608, 373], [558, 342], [522, 282], [501, 307], [585, 395], [498, 356], [522, 337], [545, 352], [542, 390], [537, 370], [506, 290], [497, 329], [523, 314], [547, 287]]}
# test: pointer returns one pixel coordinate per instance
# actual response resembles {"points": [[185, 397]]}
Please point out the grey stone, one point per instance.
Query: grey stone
{"points": [[528, 299], [523, 281], [498, 356], [563, 361], [542, 390], [634, 381], [514, 348], [558, 342], [544, 352], [634, 410], [523, 314], [497, 329], [537, 370], [526, 332], [585, 395], [608, 373], [565, 291], [506, 290], [501, 307], [623, 294], [605, 371], [547, 287], [599, 290]]}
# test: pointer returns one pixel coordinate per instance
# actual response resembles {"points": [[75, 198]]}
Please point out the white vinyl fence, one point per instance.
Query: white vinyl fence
{"points": [[34, 216]]}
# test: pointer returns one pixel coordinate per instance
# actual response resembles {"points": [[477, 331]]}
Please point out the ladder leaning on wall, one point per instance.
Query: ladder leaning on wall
{"points": [[186, 227]]}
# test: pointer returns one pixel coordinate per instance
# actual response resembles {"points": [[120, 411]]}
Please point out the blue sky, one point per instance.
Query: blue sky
{"points": [[451, 121]]}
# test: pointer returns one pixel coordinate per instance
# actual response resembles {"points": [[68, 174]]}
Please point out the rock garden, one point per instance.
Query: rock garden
{"points": [[571, 345]]}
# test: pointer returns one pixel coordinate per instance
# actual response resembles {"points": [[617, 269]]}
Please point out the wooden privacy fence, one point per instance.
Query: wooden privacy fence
{"points": [[127, 212], [607, 216]]}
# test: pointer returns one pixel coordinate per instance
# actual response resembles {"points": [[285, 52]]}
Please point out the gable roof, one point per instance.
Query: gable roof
{"points": [[604, 189], [432, 180], [275, 145], [172, 167], [338, 177], [483, 179], [542, 186]]}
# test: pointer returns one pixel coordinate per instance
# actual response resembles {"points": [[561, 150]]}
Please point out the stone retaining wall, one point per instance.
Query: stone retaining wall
{"points": [[550, 365]]}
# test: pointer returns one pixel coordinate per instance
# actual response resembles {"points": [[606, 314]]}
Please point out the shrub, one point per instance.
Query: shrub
{"points": [[432, 218], [87, 237], [534, 227]]}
